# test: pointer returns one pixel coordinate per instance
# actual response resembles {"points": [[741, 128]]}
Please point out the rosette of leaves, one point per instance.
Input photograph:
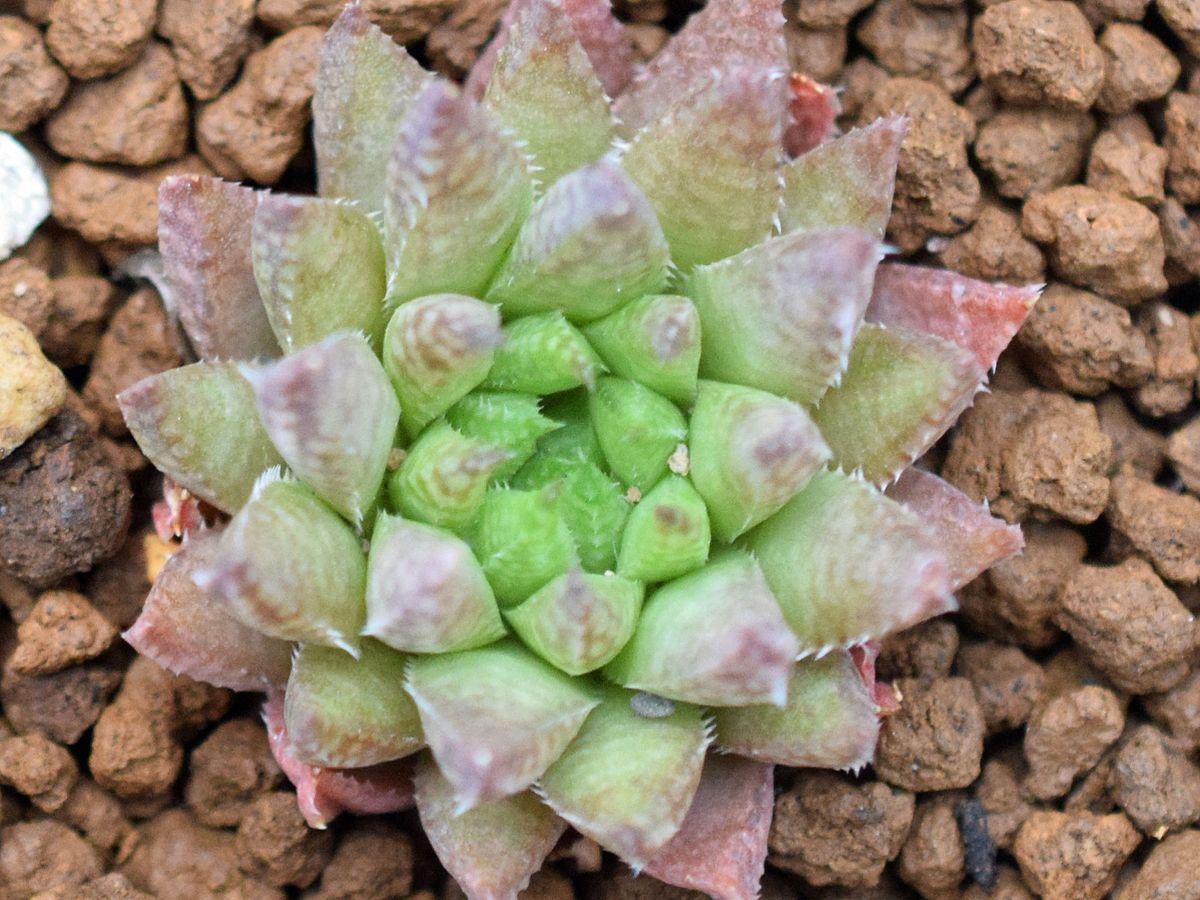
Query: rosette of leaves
{"points": [[559, 441]]}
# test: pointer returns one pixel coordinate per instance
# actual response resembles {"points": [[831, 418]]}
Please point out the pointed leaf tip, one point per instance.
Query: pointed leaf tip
{"points": [[627, 781], [847, 563], [185, 630], [973, 539], [781, 316], [977, 315], [204, 236], [365, 84], [710, 165], [546, 91], [495, 717], [600, 33], [492, 850], [847, 181], [198, 424], [589, 244], [332, 414], [320, 269], [748, 32], [457, 190]]}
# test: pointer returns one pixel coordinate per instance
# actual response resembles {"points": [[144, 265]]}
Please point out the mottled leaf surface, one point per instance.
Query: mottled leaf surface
{"points": [[709, 165], [590, 244], [901, 391], [204, 236], [493, 849], [846, 563], [715, 637], [365, 84], [781, 316], [320, 269], [627, 781], [457, 191], [347, 712], [980, 316], [847, 181], [830, 720], [749, 32], [495, 718], [332, 415], [199, 425], [545, 89]]}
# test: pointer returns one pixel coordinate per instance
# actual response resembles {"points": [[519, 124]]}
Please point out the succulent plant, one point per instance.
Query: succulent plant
{"points": [[560, 440]]}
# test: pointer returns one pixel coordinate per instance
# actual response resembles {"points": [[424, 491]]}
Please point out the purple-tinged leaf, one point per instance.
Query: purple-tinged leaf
{"points": [[320, 269], [545, 90], [288, 566], [457, 191], [902, 390], [589, 244], [599, 32], [185, 630], [781, 316], [365, 84], [977, 315], [324, 793], [204, 237], [492, 850], [495, 718], [831, 720], [332, 414], [436, 350], [426, 592], [347, 712], [748, 31], [627, 780], [198, 424], [721, 847], [751, 452], [715, 637], [710, 165], [667, 535], [847, 181], [847, 564], [972, 538]]}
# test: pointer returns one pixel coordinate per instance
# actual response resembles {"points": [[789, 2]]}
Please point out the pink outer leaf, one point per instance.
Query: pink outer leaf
{"points": [[972, 539], [722, 845], [864, 656], [322, 793], [976, 315], [184, 630], [600, 33], [813, 109], [204, 237], [746, 32], [179, 512]]}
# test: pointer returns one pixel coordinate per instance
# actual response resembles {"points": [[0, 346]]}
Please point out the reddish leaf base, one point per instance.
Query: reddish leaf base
{"points": [[886, 700], [179, 512], [323, 794], [722, 845], [813, 110]]}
